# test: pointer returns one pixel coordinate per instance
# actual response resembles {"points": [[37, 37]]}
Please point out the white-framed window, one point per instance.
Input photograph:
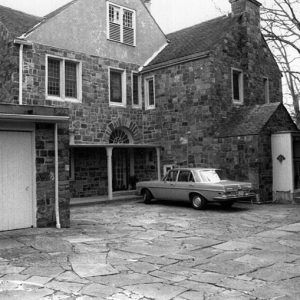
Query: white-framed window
{"points": [[63, 79], [266, 89], [121, 24], [237, 80], [136, 90], [117, 86], [149, 85]]}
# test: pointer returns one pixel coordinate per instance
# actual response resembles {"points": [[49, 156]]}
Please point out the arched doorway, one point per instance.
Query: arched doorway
{"points": [[122, 160]]}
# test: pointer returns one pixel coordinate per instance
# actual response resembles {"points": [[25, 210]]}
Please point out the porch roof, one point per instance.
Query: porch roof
{"points": [[126, 146]]}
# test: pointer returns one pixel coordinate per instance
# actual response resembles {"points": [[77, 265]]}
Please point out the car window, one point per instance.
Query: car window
{"points": [[185, 176], [172, 176], [209, 176]]}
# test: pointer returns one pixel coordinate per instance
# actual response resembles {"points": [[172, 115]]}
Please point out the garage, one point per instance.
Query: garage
{"points": [[16, 180]]}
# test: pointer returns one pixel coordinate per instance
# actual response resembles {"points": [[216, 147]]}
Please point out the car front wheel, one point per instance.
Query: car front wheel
{"points": [[198, 201], [147, 196]]}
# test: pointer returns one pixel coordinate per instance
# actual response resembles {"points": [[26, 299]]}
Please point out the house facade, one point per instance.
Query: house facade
{"points": [[108, 100]]}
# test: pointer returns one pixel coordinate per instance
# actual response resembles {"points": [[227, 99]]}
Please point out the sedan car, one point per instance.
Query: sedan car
{"points": [[197, 185]]}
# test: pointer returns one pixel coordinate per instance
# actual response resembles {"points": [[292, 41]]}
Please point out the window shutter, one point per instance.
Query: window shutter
{"points": [[114, 32]]}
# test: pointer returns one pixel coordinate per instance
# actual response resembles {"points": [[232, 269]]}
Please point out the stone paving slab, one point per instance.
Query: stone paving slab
{"points": [[132, 251]]}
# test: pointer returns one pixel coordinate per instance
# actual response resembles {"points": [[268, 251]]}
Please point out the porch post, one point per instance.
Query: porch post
{"points": [[109, 172], [158, 163]]}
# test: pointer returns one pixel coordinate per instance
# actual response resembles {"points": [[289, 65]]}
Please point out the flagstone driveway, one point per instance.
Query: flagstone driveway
{"points": [[160, 251]]}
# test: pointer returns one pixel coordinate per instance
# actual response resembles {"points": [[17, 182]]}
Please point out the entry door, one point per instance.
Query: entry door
{"points": [[16, 180]]}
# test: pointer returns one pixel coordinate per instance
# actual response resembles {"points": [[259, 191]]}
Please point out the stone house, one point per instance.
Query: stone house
{"points": [[107, 99]]}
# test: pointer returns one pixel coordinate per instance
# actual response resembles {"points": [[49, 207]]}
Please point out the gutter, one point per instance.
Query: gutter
{"points": [[21, 42], [58, 226]]}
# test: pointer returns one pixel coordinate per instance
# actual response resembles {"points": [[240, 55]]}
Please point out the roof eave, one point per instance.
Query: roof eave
{"points": [[176, 61]]}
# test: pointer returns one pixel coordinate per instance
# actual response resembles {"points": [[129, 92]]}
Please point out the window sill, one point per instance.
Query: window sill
{"points": [[150, 108], [73, 100], [113, 104], [134, 45], [137, 106], [235, 102]]}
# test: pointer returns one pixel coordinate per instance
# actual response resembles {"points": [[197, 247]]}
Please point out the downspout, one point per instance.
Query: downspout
{"points": [[58, 226], [21, 74]]}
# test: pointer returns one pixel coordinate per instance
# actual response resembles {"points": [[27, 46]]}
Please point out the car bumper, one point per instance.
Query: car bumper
{"points": [[235, 198]]}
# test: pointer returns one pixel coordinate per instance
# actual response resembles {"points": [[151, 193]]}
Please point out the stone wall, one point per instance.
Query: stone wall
{"points": [[90, 172], [91, 118], [45, 175], [9, 76]]}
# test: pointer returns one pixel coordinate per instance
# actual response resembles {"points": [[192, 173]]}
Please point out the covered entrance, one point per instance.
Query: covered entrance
{"points": [[105, 169], [286, 166]]}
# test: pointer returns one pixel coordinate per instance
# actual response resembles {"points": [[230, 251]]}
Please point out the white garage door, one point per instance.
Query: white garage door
{"points": [[16, 184]]}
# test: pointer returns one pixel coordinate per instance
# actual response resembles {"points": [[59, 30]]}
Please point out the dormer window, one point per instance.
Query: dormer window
{"points": [[121, 24]]}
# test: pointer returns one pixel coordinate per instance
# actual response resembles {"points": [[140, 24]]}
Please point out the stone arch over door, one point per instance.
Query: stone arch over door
{"points": [[127, 126]]}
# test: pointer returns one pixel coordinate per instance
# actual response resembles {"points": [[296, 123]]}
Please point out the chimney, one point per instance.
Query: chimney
{"points": [[249, 7], [148, 4]]}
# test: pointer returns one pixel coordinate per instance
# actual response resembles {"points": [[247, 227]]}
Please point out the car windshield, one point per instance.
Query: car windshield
{"points": [[209, 176]]}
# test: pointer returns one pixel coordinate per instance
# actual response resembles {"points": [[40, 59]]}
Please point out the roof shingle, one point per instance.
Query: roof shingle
{"points": [[196, 39], [17, 22], [248, 120]]}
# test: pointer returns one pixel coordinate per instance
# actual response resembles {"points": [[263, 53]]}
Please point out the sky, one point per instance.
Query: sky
{"points": [[170, 17]]}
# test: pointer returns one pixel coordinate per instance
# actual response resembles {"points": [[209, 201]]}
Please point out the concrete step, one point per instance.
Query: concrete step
{"points": [[103, 199]]}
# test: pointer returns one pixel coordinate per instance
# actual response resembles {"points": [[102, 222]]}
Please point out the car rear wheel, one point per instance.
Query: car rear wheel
{"points": [[147, 196], [198, 201]]}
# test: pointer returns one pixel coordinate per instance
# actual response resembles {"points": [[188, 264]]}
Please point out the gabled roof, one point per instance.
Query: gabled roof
{"points": [[17, 22], [196, 39], [50, 16], [248, 120]]}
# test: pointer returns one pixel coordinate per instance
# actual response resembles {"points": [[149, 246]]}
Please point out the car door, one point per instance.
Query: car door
{"points": [[167, 189], [184, 184]]}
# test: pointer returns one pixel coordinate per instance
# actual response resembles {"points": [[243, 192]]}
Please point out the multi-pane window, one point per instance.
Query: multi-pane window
{"points": [[237, 86], [117, 87], [63, 79], [71, 79], [149, 92], [136, 90], [121, 24]]}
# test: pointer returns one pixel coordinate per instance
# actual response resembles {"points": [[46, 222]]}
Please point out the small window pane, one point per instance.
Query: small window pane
{"points": [[116, 86], [53, 77], [71, 79], [135, 89], [236, 85], [128, 19]]}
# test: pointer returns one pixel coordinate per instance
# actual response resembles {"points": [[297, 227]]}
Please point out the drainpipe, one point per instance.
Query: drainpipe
{"points": [[21, 74], [58, 226]]}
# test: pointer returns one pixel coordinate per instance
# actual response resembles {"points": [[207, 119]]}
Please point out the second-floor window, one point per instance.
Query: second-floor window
{"points": [[150, 92], [117, 87], [63, 79], [136, 90], [237, 86], [121, 24]]}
